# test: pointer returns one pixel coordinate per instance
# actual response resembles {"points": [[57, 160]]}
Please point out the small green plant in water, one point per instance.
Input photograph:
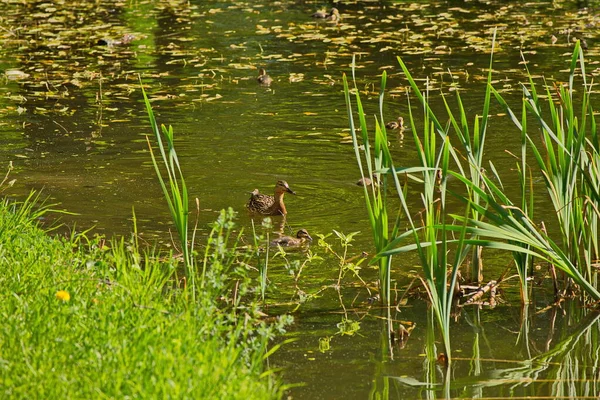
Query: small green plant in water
{"points": [[262, 253], [348, 327], [345, 263], [295, 268]]}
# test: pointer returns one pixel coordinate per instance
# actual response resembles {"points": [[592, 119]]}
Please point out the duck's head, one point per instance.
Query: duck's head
{"points": [[262, 72], [334, 11], [283, 187], [303, 234]]}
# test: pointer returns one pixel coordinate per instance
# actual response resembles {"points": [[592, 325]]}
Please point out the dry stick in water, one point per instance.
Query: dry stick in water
{"points": [[480, 292]]}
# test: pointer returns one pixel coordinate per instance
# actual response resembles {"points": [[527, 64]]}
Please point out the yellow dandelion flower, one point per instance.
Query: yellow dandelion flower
{"points": [[63, 295]]}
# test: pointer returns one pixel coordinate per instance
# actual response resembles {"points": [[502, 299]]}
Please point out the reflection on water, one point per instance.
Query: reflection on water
{"points": [[74, 125]]}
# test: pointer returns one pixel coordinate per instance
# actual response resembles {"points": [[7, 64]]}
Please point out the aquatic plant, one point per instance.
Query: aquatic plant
{"points": [[175, 193], [433, 261], [568, 158], [377, 164], [262, 255], [345, 263], [570, 170], [431, 240]]}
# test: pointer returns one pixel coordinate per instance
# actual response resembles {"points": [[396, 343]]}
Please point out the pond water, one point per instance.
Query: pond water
{"points": [[74, 125]]}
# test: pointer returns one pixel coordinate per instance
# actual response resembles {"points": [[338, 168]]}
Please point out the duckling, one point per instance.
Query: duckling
{"points": [[287, 241], [366, 181], [269, 205], [398, 124], [333, 15], [263, 78]]}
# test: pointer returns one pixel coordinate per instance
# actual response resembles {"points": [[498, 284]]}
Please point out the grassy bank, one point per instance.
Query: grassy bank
{"points": [[93, 319]]}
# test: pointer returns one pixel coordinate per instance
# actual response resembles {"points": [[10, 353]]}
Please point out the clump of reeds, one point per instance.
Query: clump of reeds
{"points": [[568, 159]]}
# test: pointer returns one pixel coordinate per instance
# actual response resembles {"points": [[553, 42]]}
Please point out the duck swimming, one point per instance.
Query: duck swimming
{"points": [[263, 78], [269, 205], [332, 15], [398, 124], [366, 181], [287, 241]]}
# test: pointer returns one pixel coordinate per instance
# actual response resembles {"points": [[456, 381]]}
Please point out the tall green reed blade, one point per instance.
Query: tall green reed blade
{"points": [[377, 165], [430, 240], [176, 192]]}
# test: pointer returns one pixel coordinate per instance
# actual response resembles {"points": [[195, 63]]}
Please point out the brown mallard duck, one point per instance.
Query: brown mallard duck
{"points": [[269, 205], [288, 241], [333, 15], [263, 78], [398, 124]]}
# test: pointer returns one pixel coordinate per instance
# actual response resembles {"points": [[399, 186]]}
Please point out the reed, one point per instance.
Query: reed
{"points": [[524, 260], [378, 161], [507, 228], [434, 244], [174, 190], [490, 219], [429, 240]]}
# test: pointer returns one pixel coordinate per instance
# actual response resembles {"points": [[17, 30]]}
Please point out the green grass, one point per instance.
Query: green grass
{"points": [[128, 329]]}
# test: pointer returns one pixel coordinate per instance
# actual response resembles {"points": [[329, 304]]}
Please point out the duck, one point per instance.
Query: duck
{"points": [[302, 237], [269, 205], [398, 124], [366, 181], [333, 15], [263, 78]]}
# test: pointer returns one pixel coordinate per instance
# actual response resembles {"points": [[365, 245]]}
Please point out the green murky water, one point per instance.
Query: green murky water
{"points": [[73, 124]]}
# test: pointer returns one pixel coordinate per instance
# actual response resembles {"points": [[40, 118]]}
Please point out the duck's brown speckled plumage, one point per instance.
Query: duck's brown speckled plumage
{"points": [[302, 237], [333, 15], [398, 124], [269, 205], [263, 78]]}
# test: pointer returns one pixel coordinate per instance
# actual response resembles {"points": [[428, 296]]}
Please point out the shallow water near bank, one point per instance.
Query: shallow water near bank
{"points": [[74, 126]]}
